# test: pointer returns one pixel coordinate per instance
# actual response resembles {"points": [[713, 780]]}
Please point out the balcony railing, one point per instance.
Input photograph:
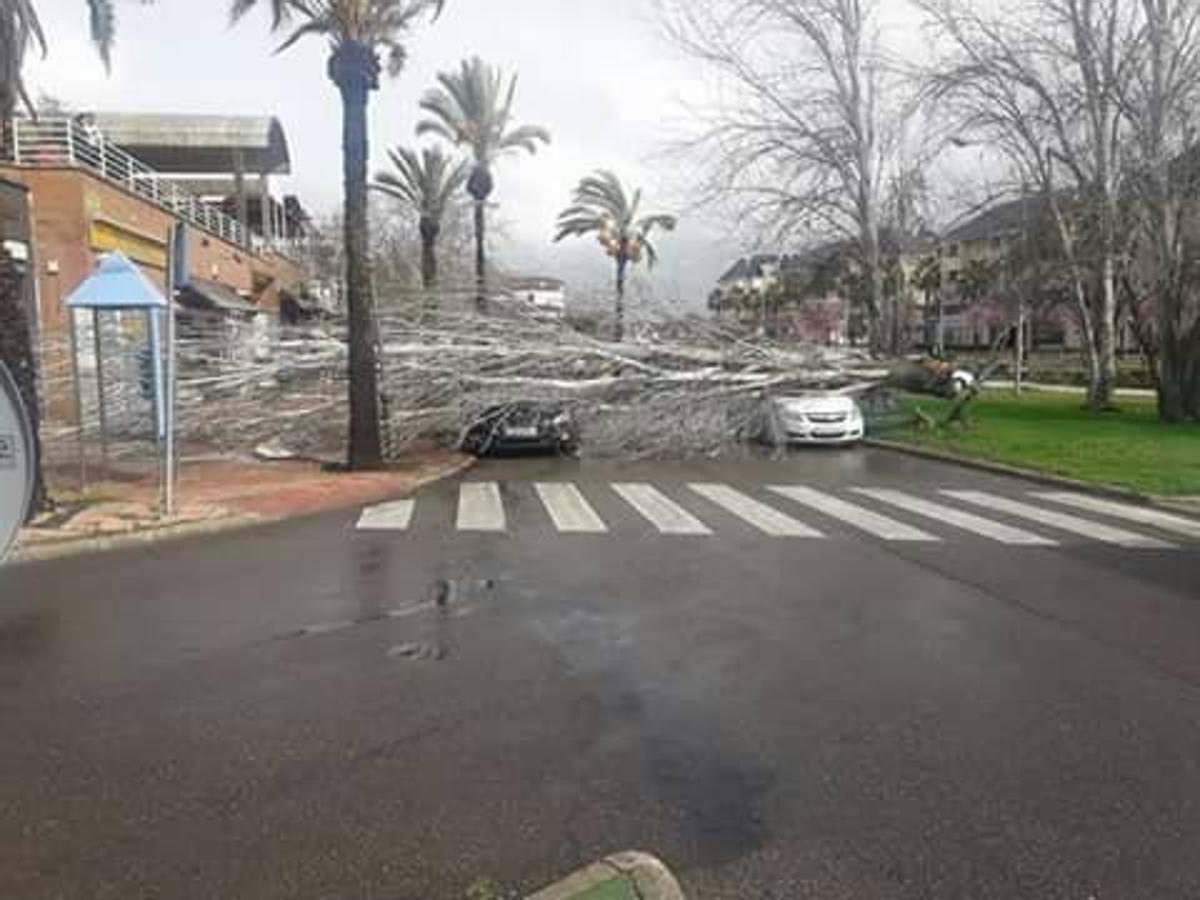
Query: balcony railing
{"points": [[61, 141]]}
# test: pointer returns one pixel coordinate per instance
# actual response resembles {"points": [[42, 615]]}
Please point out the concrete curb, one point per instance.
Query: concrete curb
{"points": [[631, 874], [1109, 491], [109, 543]]}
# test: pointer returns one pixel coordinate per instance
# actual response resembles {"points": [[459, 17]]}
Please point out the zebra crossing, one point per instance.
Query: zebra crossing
{"points": [[706, 510]]}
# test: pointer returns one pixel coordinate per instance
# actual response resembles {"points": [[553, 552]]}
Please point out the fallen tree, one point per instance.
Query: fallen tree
{"points": [[677, 388], [697, 391]]}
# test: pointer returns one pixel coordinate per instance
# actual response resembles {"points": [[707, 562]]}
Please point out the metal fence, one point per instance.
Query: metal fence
{"points": [[61, 141]]}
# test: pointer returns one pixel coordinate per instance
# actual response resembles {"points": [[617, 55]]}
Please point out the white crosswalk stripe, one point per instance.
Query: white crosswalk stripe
{"points": [[662, 512], [1144, 514], [394, 516], [569, 510], [1062, 521], [996, 531], [871, 522], [480, 507], [765, 518]]}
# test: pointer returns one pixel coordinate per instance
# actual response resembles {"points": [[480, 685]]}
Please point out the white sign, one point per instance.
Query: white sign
{"points": [[16, 462]]}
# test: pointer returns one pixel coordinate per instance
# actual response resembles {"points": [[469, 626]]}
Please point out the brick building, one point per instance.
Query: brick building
{"points": [[89, 192]]}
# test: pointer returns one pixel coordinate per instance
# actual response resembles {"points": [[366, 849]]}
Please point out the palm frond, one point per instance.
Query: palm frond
{"points": [[440, 129], [472, 106], [525, 137], [426, 182], [601, 204], [279, 11], [376, 24], [663, 221], [394, 186], [102, 19], [651, 254], [19, 30], [313, 26]]}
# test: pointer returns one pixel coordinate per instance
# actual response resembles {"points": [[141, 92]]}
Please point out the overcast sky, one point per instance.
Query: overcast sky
{"points": [[596, 74]]}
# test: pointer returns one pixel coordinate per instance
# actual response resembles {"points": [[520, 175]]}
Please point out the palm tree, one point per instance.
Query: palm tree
{"points": [[472, 107], [601, 206], [21, 31], [357, 31], [425, 184]]}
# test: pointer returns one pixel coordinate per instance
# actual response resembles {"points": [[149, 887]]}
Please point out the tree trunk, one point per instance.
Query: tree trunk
{"points": [[366, 450], [622, 263], [480, 257], [1100, 394], [429, 265], [1179, 381], [873, 278]]}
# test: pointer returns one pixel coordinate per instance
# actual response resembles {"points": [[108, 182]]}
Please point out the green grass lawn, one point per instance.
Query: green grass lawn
{"points": [[1053, 433]]}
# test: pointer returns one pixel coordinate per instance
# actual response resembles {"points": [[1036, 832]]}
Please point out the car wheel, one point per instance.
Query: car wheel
{"points": [[476, 444]]}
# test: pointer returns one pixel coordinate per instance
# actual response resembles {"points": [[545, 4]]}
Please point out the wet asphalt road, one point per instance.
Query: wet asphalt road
{"points": [[307, 710]]}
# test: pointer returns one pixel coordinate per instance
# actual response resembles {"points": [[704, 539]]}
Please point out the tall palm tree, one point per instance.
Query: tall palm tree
{"points": [[472, 107], [425, 184], [602, 207], [20, 32], [358, 31]]}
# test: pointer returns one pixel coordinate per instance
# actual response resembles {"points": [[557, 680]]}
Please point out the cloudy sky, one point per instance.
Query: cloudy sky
{"points": [[596, 74]]}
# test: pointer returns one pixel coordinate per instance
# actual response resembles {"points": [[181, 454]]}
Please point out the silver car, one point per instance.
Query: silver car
{"points": [[814, 419]]}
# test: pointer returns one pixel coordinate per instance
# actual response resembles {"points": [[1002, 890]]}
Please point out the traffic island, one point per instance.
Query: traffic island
{"points": [[622, 876]]}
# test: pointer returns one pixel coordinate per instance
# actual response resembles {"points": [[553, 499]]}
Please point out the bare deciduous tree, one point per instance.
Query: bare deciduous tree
{"points": [[1039, 84], [804, 121], [1159, 100]]}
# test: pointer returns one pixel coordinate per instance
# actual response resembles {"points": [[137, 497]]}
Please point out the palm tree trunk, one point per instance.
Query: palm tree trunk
{"points": [[620, 317], [480, 257], [429, 265], [365, 450]]}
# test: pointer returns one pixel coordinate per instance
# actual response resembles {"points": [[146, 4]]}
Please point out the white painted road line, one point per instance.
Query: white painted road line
{"points": [[871, 522], [1143, 514], [766, 519], [479, 507], [395, 516], [997, 531], [1074, 524], [569, 509], [663, 513]]}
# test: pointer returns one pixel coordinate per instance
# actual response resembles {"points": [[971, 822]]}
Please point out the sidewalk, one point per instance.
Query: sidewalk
{"points": [[1132, 393], [216, 495]]}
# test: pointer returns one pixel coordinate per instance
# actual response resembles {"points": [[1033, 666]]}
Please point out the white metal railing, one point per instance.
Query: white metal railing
{"points": [[59, 141]]}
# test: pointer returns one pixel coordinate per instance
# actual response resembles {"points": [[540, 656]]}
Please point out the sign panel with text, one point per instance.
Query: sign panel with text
{"points": [[16, 462]]}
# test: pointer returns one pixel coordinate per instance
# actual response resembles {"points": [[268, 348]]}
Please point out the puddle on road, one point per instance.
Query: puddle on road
{"points": [[716, 787]]}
